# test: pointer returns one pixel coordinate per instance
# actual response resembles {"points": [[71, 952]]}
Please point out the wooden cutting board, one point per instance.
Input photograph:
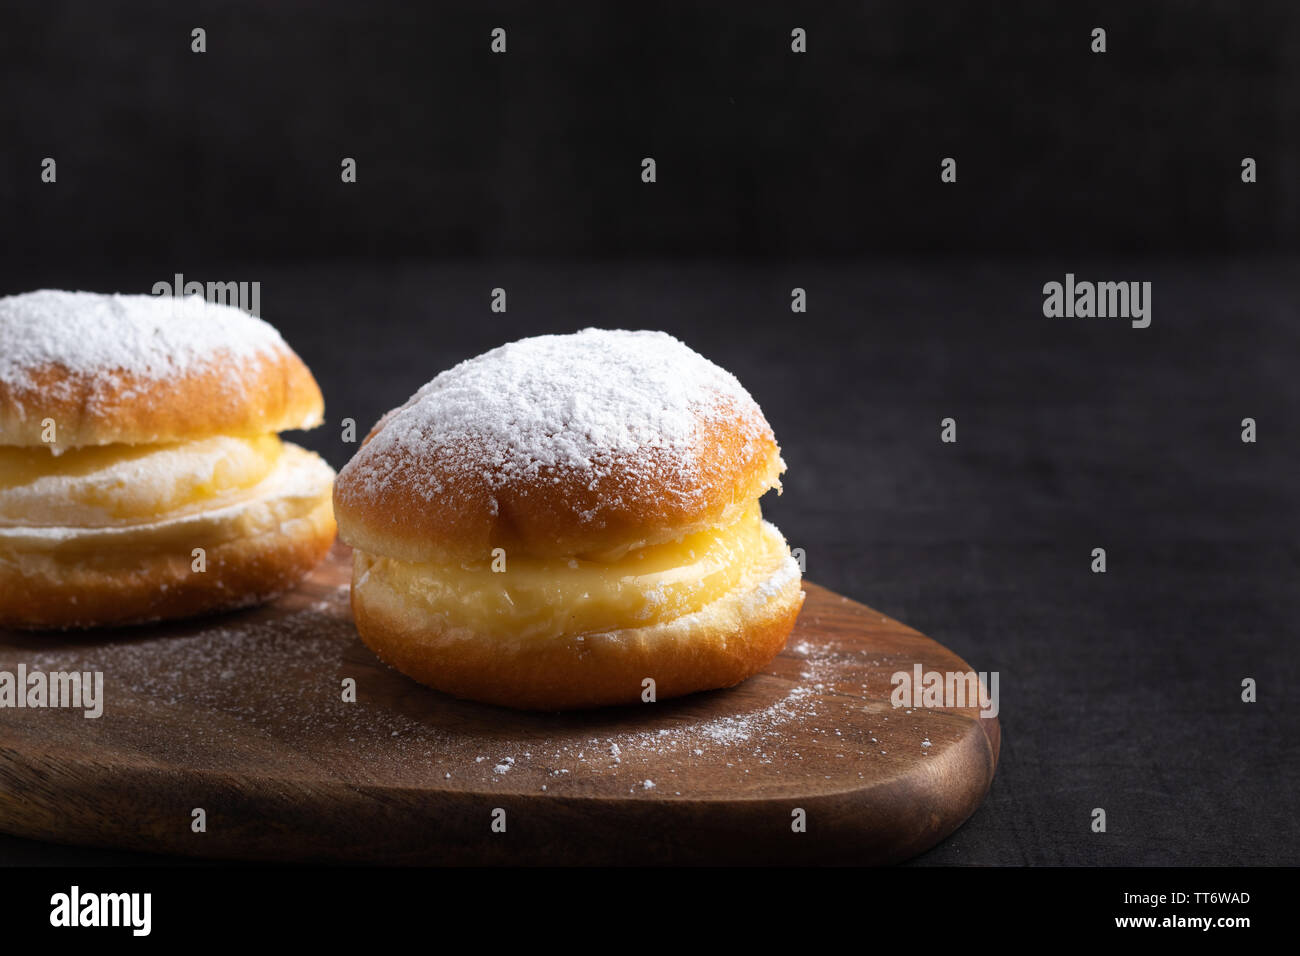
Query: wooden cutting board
{"points": [[243, 716]]}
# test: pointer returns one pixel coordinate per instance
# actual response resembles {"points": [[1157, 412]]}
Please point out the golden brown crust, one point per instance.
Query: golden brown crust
{"points": [[270, 393], [719, 646], [557, 512], [558, 446], [138, 585]]}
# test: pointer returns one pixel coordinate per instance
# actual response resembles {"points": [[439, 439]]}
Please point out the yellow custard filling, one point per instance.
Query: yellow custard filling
{"points": [[110, 485], [533, 596]]}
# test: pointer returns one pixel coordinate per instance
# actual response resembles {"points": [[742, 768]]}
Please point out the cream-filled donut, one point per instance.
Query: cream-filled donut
{"points": [[141, 471], [557, 521]]}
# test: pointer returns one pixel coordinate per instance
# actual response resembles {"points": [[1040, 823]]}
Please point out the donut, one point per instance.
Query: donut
{"points": [[142, 476], [571, 521]]}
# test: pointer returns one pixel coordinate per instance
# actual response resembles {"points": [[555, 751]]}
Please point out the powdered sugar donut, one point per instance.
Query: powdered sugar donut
{"points": [[141, 475], [556, 521]]}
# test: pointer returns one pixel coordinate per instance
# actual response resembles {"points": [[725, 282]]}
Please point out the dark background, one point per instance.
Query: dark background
{"points": [[821, 171], [167, 156]]}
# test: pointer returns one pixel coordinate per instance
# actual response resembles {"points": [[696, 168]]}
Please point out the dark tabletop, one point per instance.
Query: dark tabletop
{"points": [[1119, 690]]}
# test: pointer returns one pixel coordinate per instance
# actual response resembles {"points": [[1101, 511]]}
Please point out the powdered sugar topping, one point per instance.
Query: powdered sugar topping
{"points": [[145, 336], [573, 403]]}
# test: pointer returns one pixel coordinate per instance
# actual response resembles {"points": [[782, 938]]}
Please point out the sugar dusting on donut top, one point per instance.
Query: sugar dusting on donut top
{"points": [[573, 403], [144, 336]]}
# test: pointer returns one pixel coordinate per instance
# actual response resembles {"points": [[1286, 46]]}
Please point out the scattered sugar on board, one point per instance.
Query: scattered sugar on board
{"points": [[295, 660]]}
